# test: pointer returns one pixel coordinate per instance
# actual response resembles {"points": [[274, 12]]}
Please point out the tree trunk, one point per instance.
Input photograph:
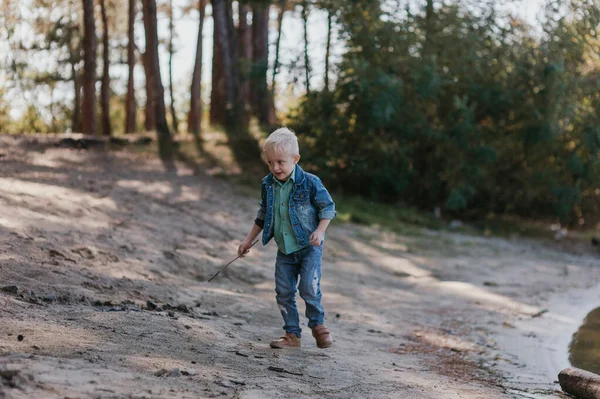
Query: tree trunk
{"points": [[306, 59], [580, 383], [165, 144], [428, 27], [53, 127], [150, 116], [328, 50], [105, 90], [130, 108], [260, 64], [217, 91], [282, 5], [149, 113], [221, 35], [195, 114], [171, 50], [244, 35], [76, 119], [235, 103], [233, 55], [74, 59], [89, 69], [241, 142]]}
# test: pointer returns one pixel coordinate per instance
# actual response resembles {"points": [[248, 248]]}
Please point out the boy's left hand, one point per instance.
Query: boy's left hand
{"points": [[316, 237]]}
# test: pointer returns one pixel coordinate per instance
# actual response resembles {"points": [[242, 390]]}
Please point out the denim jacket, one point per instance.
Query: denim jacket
{"points": [[309, 203]]}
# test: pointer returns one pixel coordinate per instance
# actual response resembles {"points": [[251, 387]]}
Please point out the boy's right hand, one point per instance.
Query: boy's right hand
{"points": [[244, 248]]}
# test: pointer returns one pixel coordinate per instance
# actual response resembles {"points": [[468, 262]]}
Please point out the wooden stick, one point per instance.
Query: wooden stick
{"points": [[223, 268]]}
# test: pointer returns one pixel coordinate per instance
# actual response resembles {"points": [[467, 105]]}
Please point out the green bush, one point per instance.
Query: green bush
{"points": [[469, 112]]}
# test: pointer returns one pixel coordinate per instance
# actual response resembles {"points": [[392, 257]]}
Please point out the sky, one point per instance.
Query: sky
{"points": [[186, 31]]}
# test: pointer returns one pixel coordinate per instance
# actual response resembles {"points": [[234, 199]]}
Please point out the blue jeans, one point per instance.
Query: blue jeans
{"points": [[306, 264]]}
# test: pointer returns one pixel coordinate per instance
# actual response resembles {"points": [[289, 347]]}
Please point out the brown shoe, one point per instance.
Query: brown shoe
{"points": [[321, 334], [288, 341]]}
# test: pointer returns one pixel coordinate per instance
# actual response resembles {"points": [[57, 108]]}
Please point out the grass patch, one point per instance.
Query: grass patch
{"points": [[507, 226], [397, 218]]}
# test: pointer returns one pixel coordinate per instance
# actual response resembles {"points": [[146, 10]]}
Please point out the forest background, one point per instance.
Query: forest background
{"points": [[467, 107]]}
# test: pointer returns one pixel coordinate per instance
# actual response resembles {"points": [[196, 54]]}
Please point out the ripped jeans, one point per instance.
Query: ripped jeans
{"points": [[306, 264]]}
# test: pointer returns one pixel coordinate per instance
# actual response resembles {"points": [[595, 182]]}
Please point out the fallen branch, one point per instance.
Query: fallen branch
{"points": [[580, 383], [282, 370]]}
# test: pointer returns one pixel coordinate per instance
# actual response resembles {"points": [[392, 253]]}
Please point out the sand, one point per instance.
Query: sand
{"points": [[104, 262]]}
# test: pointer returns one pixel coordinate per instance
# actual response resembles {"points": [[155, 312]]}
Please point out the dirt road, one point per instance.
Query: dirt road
{"points": [[104, 259]]}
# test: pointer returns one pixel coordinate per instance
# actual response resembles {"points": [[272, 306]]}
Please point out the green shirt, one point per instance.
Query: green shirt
{"points": [[284, 235]]}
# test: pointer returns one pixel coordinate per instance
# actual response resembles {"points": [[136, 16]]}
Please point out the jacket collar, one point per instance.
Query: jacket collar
{"points": [[299, 172]]}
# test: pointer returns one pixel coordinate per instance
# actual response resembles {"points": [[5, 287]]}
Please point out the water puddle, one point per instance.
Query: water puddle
{"points": [[584, 349]]}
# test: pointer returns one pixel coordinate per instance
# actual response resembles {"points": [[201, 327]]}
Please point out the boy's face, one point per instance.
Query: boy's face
{"points": [[280, 163]]}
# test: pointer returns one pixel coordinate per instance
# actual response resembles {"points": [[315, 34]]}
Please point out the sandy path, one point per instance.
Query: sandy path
{"points": [[87, 238]]}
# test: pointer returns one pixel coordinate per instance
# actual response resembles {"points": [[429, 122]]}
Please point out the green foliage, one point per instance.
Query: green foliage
{"points": [[467, 111]]}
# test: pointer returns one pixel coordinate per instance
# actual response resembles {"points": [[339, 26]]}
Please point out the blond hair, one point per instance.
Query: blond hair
{"points": [[282, 140]]}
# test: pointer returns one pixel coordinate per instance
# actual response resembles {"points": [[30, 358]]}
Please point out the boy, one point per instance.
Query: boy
{"points": [[295, 209]]}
